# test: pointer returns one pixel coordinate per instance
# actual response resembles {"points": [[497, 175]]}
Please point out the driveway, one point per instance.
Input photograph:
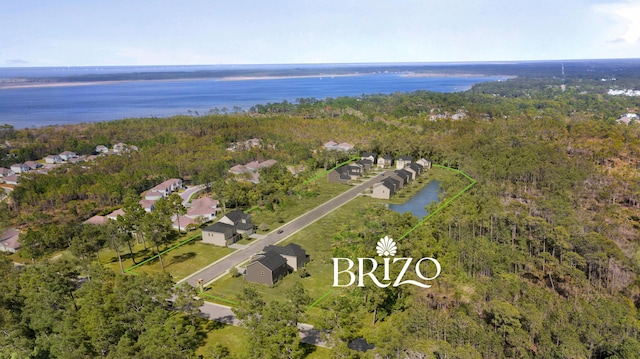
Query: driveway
{"points": [[221, 267]]}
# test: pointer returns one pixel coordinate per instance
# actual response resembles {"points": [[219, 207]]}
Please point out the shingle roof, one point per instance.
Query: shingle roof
{"points": [[237, 215], [290, 249], [220, 227], [272, 260]]}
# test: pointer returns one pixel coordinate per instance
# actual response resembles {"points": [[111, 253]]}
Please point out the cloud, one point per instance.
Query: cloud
{"points": [[16, 62], [626, 22]]}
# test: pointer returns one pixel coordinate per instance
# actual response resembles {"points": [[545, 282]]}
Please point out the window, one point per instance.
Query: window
{"points": [[262, 273]]}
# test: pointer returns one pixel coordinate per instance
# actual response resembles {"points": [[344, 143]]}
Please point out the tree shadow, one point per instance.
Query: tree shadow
{"points": [[182, 257]]}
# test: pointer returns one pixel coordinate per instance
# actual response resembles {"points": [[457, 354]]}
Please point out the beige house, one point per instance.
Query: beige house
{"points": [[220, 234]]}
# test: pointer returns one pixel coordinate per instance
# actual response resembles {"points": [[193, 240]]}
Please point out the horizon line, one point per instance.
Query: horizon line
{"points": [[386, 63]]}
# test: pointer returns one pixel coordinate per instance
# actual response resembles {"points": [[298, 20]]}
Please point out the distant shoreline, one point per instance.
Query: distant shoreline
{"points": [[25, 84]]}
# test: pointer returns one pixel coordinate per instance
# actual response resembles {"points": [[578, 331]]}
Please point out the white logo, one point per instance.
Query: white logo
{"points": [[386, 248]]}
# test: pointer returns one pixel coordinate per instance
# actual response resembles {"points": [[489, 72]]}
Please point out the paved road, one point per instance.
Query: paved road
{"points": [[223, 314], [186, 195], [222, 266]]}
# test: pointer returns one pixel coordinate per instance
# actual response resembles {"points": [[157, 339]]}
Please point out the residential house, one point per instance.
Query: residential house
{"points": [[415, 170], [19, 168], [220, 234], [97, 220], [384, 189], [404, 175], [67, 155], [346, 173], [385, 161], [425, 163], [333, 146], [180, 223], [120, 147], [267, 268], [628, 118], [339, 175], [53, 159], [371, 156], [239, 220], [238, 169], [5, 172], [403, 161], [9, 241], [295, 256], [400, 181], [365, 164], [205, 208], [330, 145], [33, 164], [13, 179], [344, 146], [147, 204], [164, 189], [252, 167], [102, 149], [114, 215]]}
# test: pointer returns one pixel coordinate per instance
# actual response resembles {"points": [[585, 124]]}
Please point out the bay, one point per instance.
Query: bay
{"points": [[104, 101], [417, 203]]}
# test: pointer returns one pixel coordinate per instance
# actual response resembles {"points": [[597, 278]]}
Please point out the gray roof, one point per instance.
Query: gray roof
{"points": [[388, 158], [289, 250], [403, 173], [365, 162], [237, 215], [271, 260], [391, 183], [405, 158], [220, 227], [368, 154], [415, 166]]}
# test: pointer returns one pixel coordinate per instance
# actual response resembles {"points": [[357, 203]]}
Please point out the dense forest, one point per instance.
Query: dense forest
{"points": [[541, 255]]}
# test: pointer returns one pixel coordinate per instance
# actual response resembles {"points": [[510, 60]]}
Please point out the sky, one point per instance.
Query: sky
{"points": [[212, 32]]}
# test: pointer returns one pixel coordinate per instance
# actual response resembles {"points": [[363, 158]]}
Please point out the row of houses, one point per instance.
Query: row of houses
{"points": [[198, 211], [12, 174], [354, 170], [392, 183]]}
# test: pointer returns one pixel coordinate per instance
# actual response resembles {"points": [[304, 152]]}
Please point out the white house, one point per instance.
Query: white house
{"points": [[19, 168], [67, 155], [5, 172], [52, 159]]}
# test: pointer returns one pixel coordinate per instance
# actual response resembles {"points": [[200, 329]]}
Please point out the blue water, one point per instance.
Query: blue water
{"points": [[419, 201], [42, 106]]}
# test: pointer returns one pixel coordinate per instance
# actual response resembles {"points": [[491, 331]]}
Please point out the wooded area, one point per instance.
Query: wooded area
{"points": [[540, 258]]}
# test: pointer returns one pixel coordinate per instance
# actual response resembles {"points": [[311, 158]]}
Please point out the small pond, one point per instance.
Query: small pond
{"points": [[416, 204]]}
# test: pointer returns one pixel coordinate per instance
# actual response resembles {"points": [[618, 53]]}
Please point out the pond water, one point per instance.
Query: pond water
{"points": [[416, 204]]}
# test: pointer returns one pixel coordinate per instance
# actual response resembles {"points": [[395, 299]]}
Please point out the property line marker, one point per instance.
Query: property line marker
{"points": [[320, 299]]}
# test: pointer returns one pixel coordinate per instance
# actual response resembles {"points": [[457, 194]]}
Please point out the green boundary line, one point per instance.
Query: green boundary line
{"points": [[320, 299], [129, 270], [446, 203], [217, 298], [327, 171]]}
